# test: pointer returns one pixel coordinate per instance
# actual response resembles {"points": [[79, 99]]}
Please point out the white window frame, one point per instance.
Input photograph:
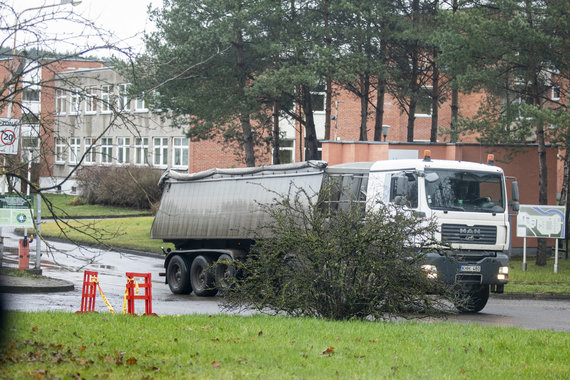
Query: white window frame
{"points": [[160, 152], [140, 105], [426, 90], [555, 93], [123, 97], [180, 152], [60, 102], [75, 101], [74, 150], [287, 148], [60, 150], [107, 98], [106, 148], [123, 150], [91, 101], [141, 150], [90, 151]]}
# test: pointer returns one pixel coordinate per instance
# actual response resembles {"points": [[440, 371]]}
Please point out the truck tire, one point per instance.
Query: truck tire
{"points": [[178, 276], [473, 298], [224, 272], [201, 277]]}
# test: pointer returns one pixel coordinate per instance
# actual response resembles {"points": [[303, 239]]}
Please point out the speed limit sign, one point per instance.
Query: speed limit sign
{"points": [[9, 135]]}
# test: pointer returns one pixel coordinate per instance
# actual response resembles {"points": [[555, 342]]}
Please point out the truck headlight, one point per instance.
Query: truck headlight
{"points": [[503, 273], [431, 270]]}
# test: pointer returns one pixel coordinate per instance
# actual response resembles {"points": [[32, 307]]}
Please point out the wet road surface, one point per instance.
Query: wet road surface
{"points": [[67, 261]]}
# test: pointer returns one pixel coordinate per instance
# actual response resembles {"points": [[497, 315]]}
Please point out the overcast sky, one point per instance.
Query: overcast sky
{"points": [[127, 19]]}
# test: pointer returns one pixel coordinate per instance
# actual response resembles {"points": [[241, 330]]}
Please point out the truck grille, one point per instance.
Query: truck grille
{"points": [[462, 233]]}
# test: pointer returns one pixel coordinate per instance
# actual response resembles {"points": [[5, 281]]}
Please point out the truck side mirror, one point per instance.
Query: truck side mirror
{"points": [[515, 191]]}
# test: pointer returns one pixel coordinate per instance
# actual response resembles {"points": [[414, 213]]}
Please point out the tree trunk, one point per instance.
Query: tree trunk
{"points": [[434, 101], [454, 113], [364, 98], [380, 94], [379, 110], [276, 159], [311, 143], [248, 144], [542, 188]]}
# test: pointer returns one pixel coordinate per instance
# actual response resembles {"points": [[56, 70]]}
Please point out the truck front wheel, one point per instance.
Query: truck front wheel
{"points": [[472, 298], [201, 277], [224, 272], [178, 275]]}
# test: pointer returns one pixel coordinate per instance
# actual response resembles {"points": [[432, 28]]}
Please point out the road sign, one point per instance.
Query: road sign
{"points": [[541, 221], [9, 135]]}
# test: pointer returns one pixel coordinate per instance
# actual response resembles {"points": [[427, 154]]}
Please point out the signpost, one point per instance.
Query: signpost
{"points": [[541, 221]]}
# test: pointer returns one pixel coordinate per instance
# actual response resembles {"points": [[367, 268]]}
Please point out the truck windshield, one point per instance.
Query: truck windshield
{"points": [[456, 190]]}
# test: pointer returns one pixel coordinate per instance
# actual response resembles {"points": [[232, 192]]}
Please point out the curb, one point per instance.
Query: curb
{"points": [[13, 284], [527, 296]]}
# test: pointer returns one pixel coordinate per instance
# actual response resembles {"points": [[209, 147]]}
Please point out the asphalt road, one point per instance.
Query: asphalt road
{"points": [[67, 261]]}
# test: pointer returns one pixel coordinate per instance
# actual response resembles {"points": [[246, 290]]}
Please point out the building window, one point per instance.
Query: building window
{"points": [[140, 104], [286, 151], [60, 102], [141, 151], [123, 150], [423, 105], [74, 150], [160, 149], [90, 151], [106, 150], [107, 98], [319, 150], [123, 97], [60, 150], [555, 93], [180, 152], [74, 102], [318, 101], [31, 94], [91, 100]]}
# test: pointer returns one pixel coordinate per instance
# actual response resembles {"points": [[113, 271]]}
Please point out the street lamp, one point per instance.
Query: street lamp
{"points": [[385, 130]]}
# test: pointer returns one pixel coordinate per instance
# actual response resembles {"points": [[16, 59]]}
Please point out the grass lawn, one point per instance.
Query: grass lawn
{"points": [[130, 233], [539, 280], [63, 345], [64, 207]]}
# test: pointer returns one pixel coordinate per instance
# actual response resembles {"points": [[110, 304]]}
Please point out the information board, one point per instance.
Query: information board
{"points": [[541, 221], [9, 135], [16, 211]]}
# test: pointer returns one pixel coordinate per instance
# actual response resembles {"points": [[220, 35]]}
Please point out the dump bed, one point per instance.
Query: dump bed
{"points": [[226, 203]]}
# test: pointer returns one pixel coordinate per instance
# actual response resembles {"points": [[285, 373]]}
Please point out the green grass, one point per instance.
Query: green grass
{"points": [[539, 279], [65, 206], [63, 345], [130, 233]]}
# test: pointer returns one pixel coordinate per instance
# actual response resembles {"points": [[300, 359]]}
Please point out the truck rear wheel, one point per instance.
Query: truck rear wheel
{"points": [[201, 277], [178, 276], [224, 272], [472, 299]]}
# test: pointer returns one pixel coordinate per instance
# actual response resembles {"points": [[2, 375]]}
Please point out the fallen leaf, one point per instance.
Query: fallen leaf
{"points": [[216, 364], [462, 371], [82, 348], [260, 333], [480, 350], [131, 361], [328, 351], [35, 328]]}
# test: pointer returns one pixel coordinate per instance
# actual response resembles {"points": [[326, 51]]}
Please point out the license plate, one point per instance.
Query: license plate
{"points": [[470, 268]]}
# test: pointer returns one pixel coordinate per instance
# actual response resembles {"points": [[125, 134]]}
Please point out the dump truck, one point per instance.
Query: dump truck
{"points": [[212, 217]]}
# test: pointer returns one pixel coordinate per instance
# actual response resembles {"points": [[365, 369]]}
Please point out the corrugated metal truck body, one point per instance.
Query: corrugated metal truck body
{"points": [[226, 204]]}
